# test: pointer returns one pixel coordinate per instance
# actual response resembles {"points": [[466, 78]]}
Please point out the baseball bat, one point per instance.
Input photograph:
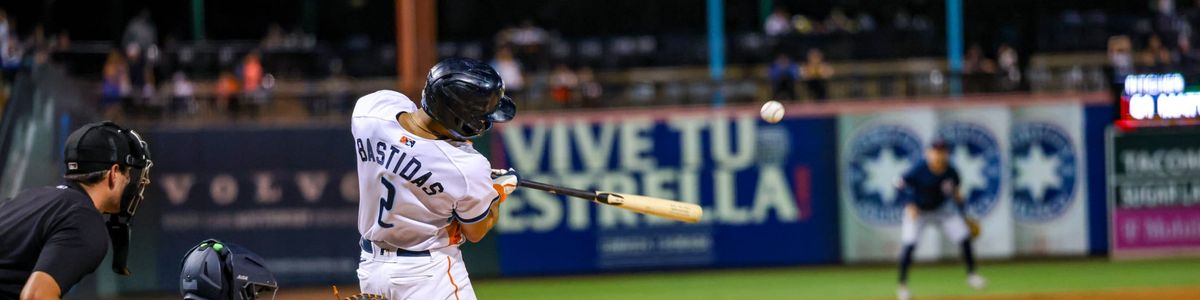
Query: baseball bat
{"points": [[670, 209]]}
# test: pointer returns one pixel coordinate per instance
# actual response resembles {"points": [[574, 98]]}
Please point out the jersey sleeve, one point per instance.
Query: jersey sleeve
{"points": [[905, 186], [479, 193], [954, 177], [76, 245]]}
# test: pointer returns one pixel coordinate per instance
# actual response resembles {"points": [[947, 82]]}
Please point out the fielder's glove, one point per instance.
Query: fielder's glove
{"points": [[505, 182], [972, 226], [366, 297]]}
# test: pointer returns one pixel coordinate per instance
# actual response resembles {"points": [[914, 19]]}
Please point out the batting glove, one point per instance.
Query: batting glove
{"points": [[505, 181]]}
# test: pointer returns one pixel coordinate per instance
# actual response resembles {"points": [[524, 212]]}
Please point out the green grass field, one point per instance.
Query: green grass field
{"points": [[873, 282]]}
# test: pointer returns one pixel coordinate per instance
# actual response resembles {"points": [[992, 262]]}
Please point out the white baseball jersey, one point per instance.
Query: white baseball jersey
{"points": [[412, 188]]}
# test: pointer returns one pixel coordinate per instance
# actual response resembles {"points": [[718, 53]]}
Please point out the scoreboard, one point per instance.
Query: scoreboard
{"points": [[1158, 100]]}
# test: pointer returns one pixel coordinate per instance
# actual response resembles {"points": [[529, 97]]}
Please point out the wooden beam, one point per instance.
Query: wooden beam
{"points": [[416, 44]]}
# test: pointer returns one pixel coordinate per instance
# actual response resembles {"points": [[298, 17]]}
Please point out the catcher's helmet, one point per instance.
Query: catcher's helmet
{"points": [[219, 271], [466, 96]]}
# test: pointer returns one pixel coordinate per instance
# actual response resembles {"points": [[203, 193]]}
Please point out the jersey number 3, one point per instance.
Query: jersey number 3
{"points": [[386, 202]]}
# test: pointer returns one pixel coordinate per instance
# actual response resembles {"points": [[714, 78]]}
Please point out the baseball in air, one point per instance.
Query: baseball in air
{"points": [[772, 111]]}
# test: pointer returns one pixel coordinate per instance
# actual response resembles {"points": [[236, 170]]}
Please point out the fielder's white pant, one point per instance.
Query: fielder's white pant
{"points": [[946, 217], [441, 275]]}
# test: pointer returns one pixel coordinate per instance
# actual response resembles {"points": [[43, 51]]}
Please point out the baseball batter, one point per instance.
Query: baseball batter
{"points": [[931, 191], [423, 187]]}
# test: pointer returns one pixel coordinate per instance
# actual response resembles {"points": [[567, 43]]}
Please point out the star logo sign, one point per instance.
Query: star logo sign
{"points": [[1035, 173], [883, 172], [1043, 172], [877, 157]]}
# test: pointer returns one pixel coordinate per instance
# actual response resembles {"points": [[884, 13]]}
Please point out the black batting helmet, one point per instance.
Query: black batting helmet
{"points": [[466, 96]]}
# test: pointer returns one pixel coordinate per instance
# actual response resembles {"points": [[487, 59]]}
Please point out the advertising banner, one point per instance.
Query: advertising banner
{"points": [[1048, 180], [1021, 170], [1154, 186], [289, 195], [761, 185]]}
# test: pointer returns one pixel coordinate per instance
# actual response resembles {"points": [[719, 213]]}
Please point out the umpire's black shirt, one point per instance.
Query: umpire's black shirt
{"points": [[54, 229]]}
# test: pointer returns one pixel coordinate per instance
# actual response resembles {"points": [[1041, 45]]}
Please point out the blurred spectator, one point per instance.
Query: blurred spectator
{"points": [[274, 38], [1120, 64], [865, 22], [5, 29], [1188, 59], [977, 70], [227, 93], [562, 84], [1120, 57], [1155, 57], [590, 90], [803, 25], [1010, 70], [115, 85], [509, 70], [974, 62], [783, 74], [1166, 21], [182, 94], [39, 45], [839, 22], [61, 42], [252, 73], [253, 82], [816, 74], [141, 78], [11, 51], [140, 31], [777, 23]]}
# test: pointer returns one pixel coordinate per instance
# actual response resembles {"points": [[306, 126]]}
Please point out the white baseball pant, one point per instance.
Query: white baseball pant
{"points": [[439, 275], [947, 217]]}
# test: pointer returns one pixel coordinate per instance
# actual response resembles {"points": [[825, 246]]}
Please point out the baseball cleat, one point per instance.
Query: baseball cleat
{"points": [[902, 293], [976, 281]]}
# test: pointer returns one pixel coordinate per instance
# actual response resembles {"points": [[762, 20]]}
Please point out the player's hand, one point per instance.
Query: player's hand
{"points": [[505, 180]]}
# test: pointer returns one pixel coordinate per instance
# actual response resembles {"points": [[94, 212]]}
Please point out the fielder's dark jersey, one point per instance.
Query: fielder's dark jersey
{"points": [[926, 189], [54, 229]]}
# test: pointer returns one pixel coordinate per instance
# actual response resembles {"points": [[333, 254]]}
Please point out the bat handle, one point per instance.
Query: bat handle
{"points": [[590, 195]]}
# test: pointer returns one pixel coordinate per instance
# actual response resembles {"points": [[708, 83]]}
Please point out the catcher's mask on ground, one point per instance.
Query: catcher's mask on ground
{"points": [[219, 271]]}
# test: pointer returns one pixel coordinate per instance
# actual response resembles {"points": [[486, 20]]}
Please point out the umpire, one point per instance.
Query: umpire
{"points": [[54, 236]]}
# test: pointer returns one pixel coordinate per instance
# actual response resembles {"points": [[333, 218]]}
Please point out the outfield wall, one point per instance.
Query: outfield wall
{"points": [[774, 194]]}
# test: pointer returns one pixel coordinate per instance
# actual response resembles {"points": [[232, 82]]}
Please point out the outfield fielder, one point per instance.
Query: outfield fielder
{"points": [[423, 187], [926, 188]]}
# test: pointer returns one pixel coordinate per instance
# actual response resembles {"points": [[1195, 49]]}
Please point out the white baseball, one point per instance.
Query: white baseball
{"points": [[772, 111]]}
